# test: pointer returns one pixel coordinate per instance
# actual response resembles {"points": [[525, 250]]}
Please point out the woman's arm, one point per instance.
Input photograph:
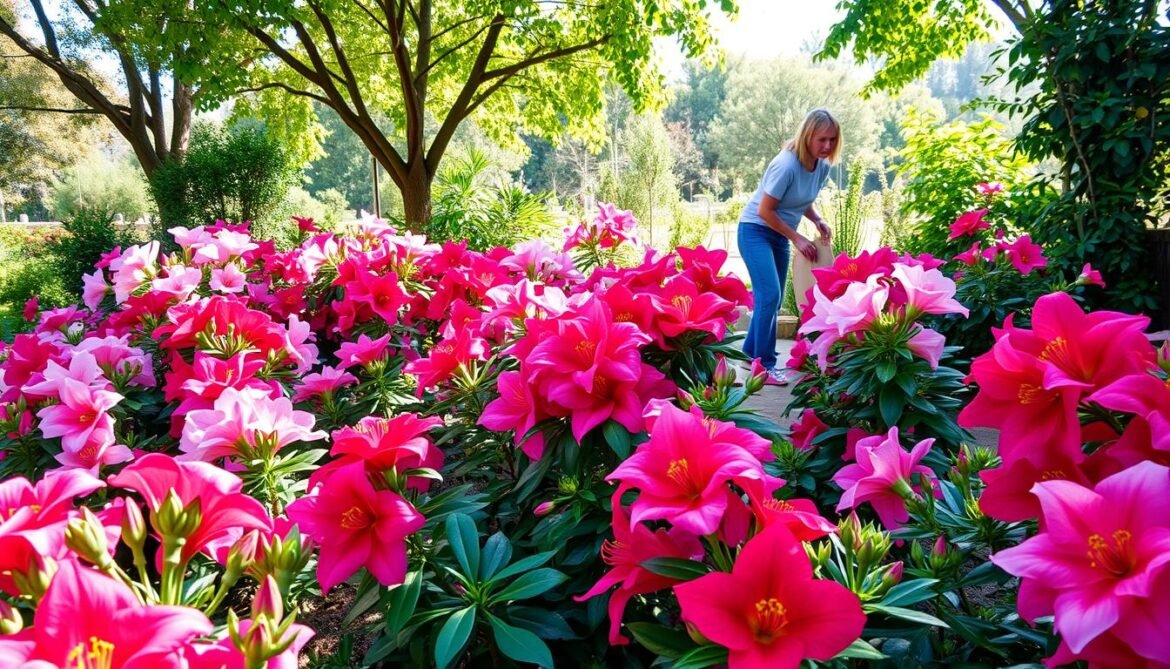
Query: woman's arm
{"points": [[822, 227], [767, 212]]}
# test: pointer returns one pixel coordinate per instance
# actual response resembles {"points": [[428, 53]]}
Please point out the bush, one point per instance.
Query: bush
{"points": [[89, 234], [689, 228], [118, 187], [942, 166], [466, 206], [239, 174]]}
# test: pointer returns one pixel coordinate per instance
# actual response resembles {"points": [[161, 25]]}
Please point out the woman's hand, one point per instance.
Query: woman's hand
{"points": [[823, 228], [805, 247]]}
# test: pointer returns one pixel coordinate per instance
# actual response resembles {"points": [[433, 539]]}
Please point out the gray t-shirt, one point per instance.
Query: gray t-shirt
{"points": [[794, 187]]}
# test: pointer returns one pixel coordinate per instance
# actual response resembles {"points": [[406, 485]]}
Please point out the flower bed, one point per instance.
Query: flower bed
{"points": [[538, 456]]}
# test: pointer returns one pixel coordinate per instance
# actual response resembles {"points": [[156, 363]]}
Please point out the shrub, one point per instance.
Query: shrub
{"points": [[239, 174], [89, 233], [689, 228], [98, 184]]}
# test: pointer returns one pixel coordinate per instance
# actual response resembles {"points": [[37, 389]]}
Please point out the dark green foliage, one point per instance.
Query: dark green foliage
{"points": [[1104, 72], [238, 174], [89, 234], [484, 214]]}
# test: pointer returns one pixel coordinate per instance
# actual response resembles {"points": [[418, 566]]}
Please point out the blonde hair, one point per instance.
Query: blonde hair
{"points": [[817, 119]]}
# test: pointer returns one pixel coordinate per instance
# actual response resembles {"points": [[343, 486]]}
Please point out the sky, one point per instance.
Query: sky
{"points": [[763, 29]]}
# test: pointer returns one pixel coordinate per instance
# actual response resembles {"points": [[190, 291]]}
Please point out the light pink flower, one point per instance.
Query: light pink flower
{"points": [[82, 416], [94, 289], [180, 282], [927, 291], [328, 380], [989, 188], [241, 418], [136, 264], [229, 279], [928, 345]]}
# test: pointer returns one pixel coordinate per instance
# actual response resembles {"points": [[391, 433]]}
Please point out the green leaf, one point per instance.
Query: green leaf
{"points": [[531, 584], [401, 603], [663, 641], [906, 614], [618, 438], [891, 405], [676, 568], [860, 650], [520, 644], [464, 541], [453, 636], [496, 553], [367, 596], [520, 566], [910, 592], [701, 657], [542, 622]]}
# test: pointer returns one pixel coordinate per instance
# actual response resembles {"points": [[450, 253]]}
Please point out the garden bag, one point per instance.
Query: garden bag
{"points": [[802, 276]]}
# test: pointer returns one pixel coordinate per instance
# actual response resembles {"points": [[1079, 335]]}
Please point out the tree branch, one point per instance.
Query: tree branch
{"points": [[288, 89], [430, 66], [459, 109], [51, 110], [531, 61]]}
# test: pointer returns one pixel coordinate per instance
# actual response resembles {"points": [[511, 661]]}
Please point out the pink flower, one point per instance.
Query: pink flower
{"points": [[1090, 277], [94, 289], [84, 425], [800, 516], [928, 345], [226, 511], [969, 223], [989, 188], [400, 442], [230, 279], [807, 428], [682, 474], [1025, 255], [881, 476], [927, 291], [515, 409], [305, 224], [446, 357], [971, 255], [1097, 558], [87, 619], [362, 352], [1147, 397], [244, 419], [180, 281], [633, 544], [83, 368], [355, 525], [328, 380], [223, 654], [137, 264], [30, 309], [833, 281], [770, 612]]}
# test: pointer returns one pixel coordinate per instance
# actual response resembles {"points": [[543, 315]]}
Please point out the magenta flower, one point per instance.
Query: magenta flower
{"points": [[807, 428], [362, 352], [969, 223], [633, 544], [328, 380], [881, 476], [356, 526], [515, 409], [446, 357], [1090, 277], [770, 612], [89, 620], [223, 654], [682, 474], [971, 255], [1098, 556], [226, 512], [400, 442], [1147, 397], [1025, 255], [989, 188]]}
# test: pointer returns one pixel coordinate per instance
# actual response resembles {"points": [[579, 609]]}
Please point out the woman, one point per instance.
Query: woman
{"points": [[768, 224]]}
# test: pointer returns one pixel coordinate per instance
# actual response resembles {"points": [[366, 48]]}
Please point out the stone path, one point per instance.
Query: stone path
{"points": [[772, 400]]}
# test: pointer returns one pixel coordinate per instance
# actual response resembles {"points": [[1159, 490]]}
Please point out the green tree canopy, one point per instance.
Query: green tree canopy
{"points": [[429, 65], [765, 104]]}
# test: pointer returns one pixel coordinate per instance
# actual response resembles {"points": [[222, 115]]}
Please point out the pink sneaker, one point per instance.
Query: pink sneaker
{"points": [[776, 377]]}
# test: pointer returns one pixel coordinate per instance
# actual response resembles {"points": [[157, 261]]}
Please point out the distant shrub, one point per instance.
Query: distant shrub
{"points": [[117, 187]]}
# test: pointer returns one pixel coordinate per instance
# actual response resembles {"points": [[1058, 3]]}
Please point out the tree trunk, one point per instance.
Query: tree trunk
{"points": [[416, 197]]}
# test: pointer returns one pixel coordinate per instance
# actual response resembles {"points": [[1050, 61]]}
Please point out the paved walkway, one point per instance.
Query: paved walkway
{"points": [[772, 400]]}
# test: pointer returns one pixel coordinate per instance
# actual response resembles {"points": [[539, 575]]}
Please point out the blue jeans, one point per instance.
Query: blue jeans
{"points": [[765, 252]]}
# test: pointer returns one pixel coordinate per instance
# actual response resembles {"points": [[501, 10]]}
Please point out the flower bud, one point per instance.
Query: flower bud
{"points": [[685, 400], [35, 580], [85, 536], [724, 376], [11, 621], [545, 508], [133, 526], [1164, 356], [755, 382], [567, 485], [176, 521], [268, 602]]}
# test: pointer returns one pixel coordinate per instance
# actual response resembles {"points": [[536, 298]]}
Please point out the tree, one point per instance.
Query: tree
{"points": [[764, 106], [32, 144], [430, 65], [83, 32], [907, 36]]}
